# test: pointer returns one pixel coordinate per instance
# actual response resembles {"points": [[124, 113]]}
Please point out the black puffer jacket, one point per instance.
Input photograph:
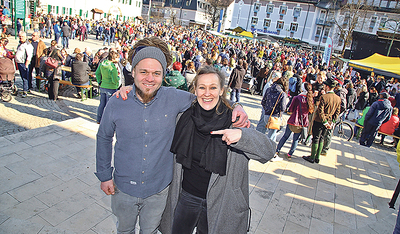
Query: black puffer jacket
{"points": [[79, 72], [351, 98], [362, 101]]}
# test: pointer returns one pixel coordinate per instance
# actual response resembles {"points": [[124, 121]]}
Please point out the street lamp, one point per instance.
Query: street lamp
{"points": [[397, 22]]}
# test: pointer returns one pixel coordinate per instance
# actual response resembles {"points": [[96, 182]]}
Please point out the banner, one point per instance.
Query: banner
{"points": [[20, 9], [328, 51], [221, 14]]}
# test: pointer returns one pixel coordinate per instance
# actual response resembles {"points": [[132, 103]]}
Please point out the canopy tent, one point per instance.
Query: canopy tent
{"points": [[380, 64], [237, 29], [246, 34], [216, 33]]}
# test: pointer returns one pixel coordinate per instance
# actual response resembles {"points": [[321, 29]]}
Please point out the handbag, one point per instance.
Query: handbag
{"points": [[274, 122], [51, 62]]}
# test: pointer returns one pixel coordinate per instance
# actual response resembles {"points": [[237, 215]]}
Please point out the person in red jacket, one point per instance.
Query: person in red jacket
{"points": [[390, 126]]}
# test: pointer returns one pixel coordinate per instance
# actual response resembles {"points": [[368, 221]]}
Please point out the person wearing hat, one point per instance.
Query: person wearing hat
{"points": [[143, 122], [379, 113], [325, 117], [342, 93]]}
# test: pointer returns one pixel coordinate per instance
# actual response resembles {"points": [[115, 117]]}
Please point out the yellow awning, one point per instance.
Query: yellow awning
{"points": [[246, 34], [380, 64]]}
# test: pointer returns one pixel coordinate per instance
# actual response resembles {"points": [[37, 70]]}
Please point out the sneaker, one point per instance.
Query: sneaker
{"points": [[289, 156], [276, 158], [24, 94], [324, 153]]}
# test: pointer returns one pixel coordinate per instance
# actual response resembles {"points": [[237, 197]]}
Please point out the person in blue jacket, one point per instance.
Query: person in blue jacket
{"points": [[379, 113]]}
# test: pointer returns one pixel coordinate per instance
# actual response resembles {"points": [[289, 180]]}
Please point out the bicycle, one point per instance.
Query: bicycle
{"points": [[343, 129]]}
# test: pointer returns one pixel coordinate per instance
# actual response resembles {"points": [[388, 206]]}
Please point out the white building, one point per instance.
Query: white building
{"points": [[310, 21], [98, 9]]}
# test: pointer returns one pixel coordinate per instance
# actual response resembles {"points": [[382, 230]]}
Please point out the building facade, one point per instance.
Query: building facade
{"points": [[97, 9], [184, 12], [309, 21]]}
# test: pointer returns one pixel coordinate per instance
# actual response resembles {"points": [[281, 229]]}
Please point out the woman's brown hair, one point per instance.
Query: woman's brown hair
{"points": [[310, 97], [221, 78]]}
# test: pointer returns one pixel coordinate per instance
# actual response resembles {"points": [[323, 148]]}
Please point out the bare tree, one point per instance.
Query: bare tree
{"points": [[213, 9], [352, 12], [172, 15]]}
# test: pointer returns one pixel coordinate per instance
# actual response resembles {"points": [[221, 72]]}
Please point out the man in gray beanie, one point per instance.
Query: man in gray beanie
{"points": [[143, 122]]}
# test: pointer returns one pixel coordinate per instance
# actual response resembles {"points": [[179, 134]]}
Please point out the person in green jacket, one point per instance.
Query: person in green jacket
{"points": [[107, 76], [175, 78], [360, 121]]}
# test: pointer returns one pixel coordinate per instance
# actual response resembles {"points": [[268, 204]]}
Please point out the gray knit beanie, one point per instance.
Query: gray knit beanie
{"points": [[150, 52]]}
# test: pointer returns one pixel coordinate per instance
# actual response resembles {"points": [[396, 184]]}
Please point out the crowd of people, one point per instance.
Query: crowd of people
{"points": [[142, 61]]}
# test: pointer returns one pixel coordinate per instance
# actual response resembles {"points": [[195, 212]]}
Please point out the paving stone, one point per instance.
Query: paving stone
{"points": [[108, 225], [319, 226], [18, 226], [294, 228], [9, 159], [3, 218], [66, 208], [62, 192], [82, 221], [11, 182], [34, 188], [300, 212], [26, 209], [7, 201]]}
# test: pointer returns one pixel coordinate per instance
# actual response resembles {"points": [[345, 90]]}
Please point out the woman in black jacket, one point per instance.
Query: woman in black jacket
{"points": [[373, 96], [53, 74], [351, 98], [79, 72], [361, 103]]}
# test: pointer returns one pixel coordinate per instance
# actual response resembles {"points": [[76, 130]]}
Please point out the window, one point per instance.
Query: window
{"points": [[270, 8], [283, 10], [373, 21], [318, 32], [188, 3], [331, 16], [346, 18], [254, 21], [267, 23], [293, 27], [257, 6], [296, 12], [326, 32], [280, 24], [322, 16], [382, 24]]}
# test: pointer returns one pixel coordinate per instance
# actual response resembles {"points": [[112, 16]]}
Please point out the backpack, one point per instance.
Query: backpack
{"points": [[292, 84]]}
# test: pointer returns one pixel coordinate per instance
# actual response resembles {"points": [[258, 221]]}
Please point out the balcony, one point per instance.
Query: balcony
{"points": [[328, 22]]}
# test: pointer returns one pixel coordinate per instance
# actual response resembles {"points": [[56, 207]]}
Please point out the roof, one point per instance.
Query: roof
{"points": [[98, 11], [246, 34], [380, 64], [328, 5]]}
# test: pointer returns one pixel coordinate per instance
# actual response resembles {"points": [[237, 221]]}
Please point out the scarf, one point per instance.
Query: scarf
{"points": [[212, 149]]}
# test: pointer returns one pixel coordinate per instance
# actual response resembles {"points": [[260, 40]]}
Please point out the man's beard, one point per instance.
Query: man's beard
{"points": [[145, 96]]}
